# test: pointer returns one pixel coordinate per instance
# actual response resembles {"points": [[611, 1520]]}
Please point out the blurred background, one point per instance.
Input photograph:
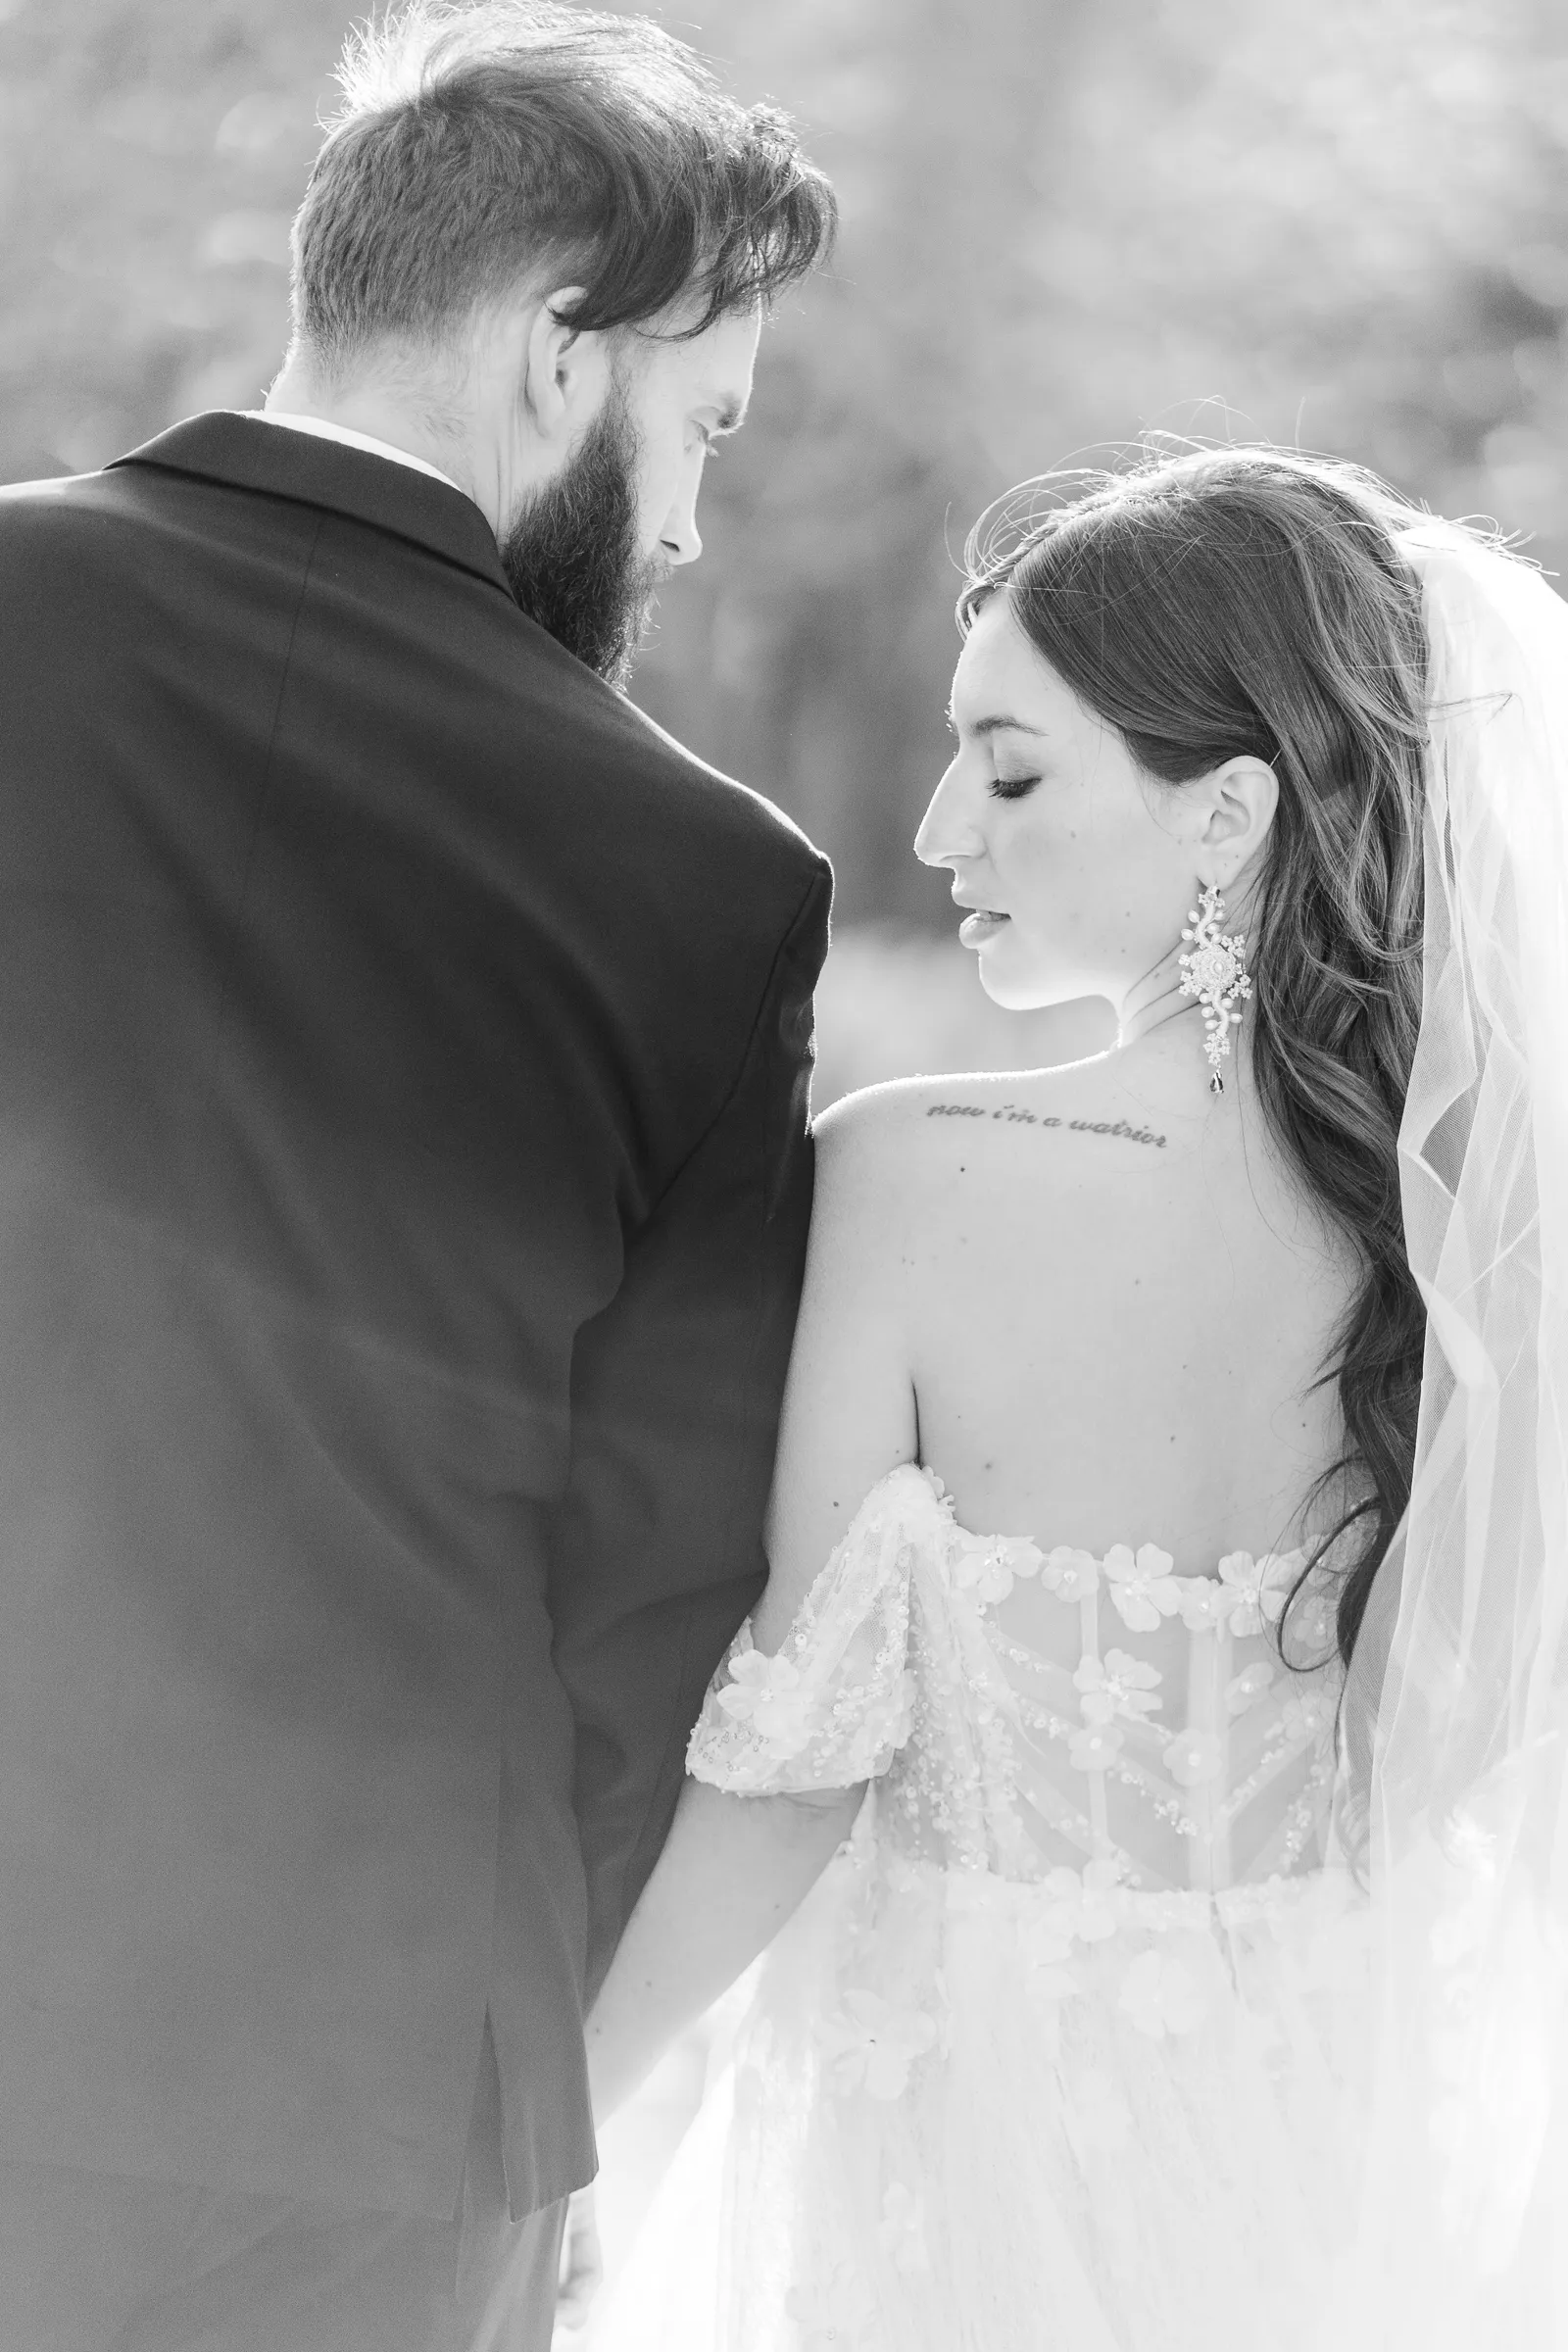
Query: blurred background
{"points": [[1341, 223], [1338, 224]]}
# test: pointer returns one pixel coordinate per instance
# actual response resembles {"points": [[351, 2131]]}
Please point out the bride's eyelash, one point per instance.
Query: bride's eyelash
{"points": [[1011, 788]]}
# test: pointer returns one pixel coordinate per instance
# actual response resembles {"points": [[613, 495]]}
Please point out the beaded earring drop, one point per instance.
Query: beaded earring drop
{"points": [[1214, 973]]}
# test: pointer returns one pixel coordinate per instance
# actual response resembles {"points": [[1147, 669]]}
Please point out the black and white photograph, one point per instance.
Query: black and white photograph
{"points": [[784, 1176]]}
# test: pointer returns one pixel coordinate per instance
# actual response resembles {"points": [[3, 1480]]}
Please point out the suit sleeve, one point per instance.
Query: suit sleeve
{"points": [[657, 1552]]}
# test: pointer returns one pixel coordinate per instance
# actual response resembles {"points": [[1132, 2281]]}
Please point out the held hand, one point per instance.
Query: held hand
{"points": [[582, 2271]]}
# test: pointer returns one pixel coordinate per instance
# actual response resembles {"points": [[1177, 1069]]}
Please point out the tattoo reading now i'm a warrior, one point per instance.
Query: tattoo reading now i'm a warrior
{"points": [[1011, 1116]]}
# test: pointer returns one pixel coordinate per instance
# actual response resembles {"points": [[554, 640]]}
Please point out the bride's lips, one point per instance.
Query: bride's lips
{"points": [[982, 925]]}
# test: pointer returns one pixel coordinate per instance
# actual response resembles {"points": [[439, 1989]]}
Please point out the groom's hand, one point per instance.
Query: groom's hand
{"points": [[583, 2269]]}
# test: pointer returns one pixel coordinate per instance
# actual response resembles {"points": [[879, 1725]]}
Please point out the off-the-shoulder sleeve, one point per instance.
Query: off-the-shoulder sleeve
{"points": [[833, 1706]]}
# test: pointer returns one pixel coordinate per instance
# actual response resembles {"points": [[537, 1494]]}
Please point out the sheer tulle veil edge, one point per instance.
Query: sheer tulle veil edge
{"points": [[1456, 1709]]}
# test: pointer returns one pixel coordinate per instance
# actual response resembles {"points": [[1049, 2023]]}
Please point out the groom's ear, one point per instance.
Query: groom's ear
{"points": [[562, 372]]}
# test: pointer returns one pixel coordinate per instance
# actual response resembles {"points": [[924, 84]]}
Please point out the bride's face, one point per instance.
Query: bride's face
{"points": [[1080, 869]]}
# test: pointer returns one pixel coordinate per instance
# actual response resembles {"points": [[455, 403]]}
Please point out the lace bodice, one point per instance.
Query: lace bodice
{"points": [[1026, 1711]]}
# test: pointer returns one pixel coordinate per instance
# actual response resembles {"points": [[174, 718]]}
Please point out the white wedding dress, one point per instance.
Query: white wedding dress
{"points": [[1047, 2062]]}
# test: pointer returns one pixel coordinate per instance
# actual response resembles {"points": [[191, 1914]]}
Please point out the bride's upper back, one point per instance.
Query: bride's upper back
{"points": [[1113, 1311], [1098, 1318]]}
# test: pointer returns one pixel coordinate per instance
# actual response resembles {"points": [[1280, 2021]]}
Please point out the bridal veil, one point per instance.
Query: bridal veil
{"points": [[1457, 1700]]}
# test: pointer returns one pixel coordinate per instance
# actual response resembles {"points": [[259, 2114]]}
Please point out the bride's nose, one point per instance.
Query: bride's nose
{"points": [[947, 834]]}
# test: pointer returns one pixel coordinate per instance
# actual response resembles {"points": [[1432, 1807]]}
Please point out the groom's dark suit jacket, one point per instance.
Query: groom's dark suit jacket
{"points": [[404, 1182]]}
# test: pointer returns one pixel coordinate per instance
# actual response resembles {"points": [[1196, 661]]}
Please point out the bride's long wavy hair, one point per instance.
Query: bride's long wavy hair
{"points": [[1247, 601]]}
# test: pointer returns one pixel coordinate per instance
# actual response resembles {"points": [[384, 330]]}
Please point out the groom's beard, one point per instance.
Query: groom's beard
{"points": [[572, 554]]}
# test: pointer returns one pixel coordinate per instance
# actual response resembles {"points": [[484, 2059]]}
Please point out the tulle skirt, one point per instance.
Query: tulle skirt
{"points": [[969, 2115]]}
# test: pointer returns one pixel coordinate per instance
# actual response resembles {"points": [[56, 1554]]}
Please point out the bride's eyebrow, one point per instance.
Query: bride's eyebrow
{"points": [[997, 722]]}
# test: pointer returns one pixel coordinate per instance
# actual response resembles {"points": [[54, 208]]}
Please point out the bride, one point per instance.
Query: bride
{"points": [[1143, 1772]]}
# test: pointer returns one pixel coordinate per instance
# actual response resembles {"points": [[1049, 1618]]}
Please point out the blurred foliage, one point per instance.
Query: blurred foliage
{"points": [[1338, 222]]}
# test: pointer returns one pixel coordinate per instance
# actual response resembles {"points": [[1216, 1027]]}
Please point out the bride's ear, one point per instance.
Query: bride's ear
{"points": [[1240, 799]]}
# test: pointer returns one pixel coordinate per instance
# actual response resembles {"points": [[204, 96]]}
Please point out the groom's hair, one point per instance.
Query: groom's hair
{"points": [[521, 143]]}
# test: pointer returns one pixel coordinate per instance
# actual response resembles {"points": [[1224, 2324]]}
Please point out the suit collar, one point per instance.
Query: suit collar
{"points": [[292, 420], [223, 446]]}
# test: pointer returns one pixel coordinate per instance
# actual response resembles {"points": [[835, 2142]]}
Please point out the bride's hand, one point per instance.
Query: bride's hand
{"points": [[582, 2269]]}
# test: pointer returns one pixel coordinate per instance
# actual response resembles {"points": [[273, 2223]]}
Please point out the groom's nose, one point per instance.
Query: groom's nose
{"points": [[682, 543], [679, 538]]}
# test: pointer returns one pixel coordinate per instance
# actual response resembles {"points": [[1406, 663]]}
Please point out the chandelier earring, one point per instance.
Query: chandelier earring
{"points": [[1213, 970]]}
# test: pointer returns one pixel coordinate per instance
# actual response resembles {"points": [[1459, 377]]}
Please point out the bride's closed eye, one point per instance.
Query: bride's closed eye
{"points": [[1011, 788]]}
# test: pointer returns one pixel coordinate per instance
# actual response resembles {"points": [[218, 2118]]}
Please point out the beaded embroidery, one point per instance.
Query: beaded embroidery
{"points": [[995, 1756]]}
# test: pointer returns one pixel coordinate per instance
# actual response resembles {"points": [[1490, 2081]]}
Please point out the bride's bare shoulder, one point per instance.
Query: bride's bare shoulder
{"points": [[922, 1122], [874, 1132], [891, 1143], [963, 1156]]}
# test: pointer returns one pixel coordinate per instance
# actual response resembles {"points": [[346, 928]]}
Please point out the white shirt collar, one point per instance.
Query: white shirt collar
{"points": [[346, 433]]}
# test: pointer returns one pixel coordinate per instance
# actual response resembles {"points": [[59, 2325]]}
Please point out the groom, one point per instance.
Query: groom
{"points": [[404, 1051]]}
